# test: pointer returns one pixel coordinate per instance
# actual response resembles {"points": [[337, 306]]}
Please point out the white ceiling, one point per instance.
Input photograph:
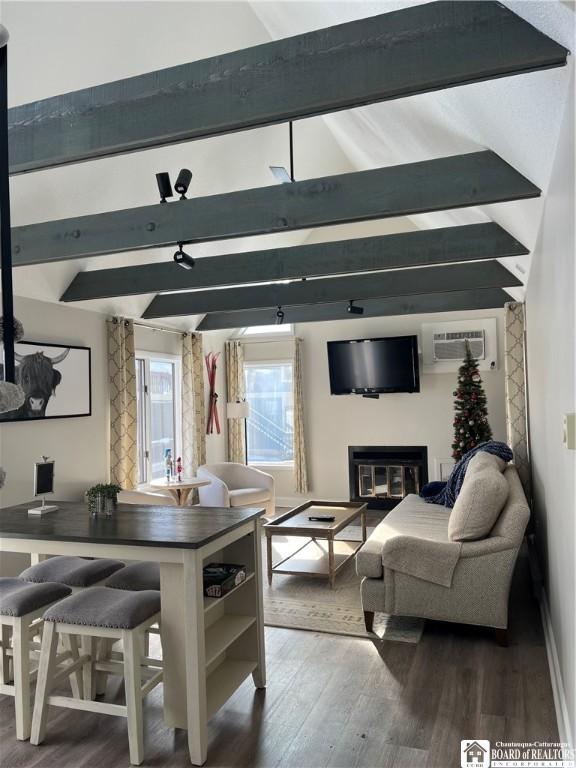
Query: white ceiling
{"points": [[61, 46], [517, 117]]}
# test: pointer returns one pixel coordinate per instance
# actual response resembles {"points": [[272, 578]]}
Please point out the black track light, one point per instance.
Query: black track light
{"points": [[353, 310], [279, 316], [164, 186], [183, 182], [183, 259]]}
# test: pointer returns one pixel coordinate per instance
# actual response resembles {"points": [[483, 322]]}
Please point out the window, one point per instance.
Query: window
{"points": [[158, 409], [271, 422]]}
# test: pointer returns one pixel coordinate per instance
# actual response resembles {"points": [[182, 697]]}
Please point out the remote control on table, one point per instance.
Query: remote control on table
{"points": [[322, 518]]}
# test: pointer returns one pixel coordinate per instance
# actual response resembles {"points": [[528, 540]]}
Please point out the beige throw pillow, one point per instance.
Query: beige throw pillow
{"points": [[479, 503]]}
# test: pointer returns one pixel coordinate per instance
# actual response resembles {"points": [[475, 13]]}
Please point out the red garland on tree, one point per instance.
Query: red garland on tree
{"points": [[471, 413]]}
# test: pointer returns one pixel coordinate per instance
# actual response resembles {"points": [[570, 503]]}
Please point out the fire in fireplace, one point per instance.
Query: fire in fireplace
{"points": [[383, 475]]}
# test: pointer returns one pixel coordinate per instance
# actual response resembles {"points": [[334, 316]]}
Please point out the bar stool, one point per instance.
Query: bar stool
{"points": [[136, 577], [75, 572], [98, 612], [21, 607], [78, 573]]}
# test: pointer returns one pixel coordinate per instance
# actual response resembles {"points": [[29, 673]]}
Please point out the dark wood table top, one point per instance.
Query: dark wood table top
{"points": [[132, 524]]}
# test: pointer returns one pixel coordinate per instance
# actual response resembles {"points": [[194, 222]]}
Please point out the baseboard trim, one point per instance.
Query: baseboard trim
{"points": [[562, 716], [560, 706]]}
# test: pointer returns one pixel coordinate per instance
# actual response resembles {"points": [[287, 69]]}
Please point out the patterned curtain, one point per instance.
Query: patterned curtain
{"points": [[300, 472], [516, 401], [235, 392], [193, 423], [123, 424]]}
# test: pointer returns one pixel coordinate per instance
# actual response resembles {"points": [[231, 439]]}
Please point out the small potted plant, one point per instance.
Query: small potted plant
{"points": [[102, 498]]}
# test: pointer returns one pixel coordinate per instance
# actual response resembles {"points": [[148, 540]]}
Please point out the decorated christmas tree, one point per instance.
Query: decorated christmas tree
{"points": [[471, 414]]}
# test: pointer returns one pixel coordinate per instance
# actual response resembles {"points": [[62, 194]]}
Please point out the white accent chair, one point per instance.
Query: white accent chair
{"points": [[236, 485]]}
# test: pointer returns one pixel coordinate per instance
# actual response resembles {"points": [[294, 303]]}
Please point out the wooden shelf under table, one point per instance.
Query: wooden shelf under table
{"points": [[224, 681], [223, 633], [212, 602]]}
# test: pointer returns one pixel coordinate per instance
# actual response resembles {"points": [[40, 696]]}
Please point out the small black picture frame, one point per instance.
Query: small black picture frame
{"points": [[56, 378], [44, 477]]}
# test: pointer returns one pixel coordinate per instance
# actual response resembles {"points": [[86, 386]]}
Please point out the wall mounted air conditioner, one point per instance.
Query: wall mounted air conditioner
{"points": [[444, 344], [451, 345]]}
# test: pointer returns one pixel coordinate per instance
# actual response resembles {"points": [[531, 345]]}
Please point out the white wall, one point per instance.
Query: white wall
{"points": [[335, 422], [551, 382], [156, 340], [79, 445]]}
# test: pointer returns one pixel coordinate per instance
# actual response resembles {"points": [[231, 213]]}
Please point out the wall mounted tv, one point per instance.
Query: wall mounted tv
{"points": [[371, 367]]}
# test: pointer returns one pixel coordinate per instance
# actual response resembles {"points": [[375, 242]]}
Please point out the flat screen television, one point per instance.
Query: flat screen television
{"points": [[374, 366]]}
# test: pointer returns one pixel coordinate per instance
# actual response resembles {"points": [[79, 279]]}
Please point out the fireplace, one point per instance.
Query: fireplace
{"points": [[383, 474]]}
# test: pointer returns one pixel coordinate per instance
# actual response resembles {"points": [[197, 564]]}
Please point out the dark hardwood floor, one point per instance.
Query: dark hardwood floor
{"points": [[338, 702]]}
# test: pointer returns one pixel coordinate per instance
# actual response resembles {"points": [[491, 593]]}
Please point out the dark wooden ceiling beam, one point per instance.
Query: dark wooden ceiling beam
{"points": [[487, 298], [397, 54], [450, 182], [408, 249], [454, 277]]}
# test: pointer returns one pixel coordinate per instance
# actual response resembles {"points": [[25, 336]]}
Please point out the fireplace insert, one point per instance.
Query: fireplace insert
{"points": [[383, 475]]}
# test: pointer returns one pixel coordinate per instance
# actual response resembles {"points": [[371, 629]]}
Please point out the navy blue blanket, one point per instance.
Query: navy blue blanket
{"points": [[448, 494]]}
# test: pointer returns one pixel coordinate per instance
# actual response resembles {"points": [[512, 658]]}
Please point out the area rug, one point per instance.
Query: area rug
{"points": [[300, 602]]}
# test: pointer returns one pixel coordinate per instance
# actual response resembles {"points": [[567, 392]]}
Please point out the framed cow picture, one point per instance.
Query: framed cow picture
{"points": [[56, 380]]}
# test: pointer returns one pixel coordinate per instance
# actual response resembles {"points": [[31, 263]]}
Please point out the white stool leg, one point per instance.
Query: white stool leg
{"points": [[89, 645], [44, 683], [70, 642], [146, 644], [21, 651], [133, 683], [104, 654], [5, 671]]}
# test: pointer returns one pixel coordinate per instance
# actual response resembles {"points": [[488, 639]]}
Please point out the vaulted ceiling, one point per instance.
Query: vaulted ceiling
{"points": [[517, 117]]}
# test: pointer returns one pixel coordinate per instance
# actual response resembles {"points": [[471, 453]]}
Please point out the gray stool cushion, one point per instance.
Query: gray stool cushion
{"points": [[102, 607], [136, 576], [72, 571], [18, 597]]}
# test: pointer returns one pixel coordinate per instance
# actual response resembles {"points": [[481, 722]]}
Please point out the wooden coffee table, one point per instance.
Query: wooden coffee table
{"points": [[322, 554]]}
